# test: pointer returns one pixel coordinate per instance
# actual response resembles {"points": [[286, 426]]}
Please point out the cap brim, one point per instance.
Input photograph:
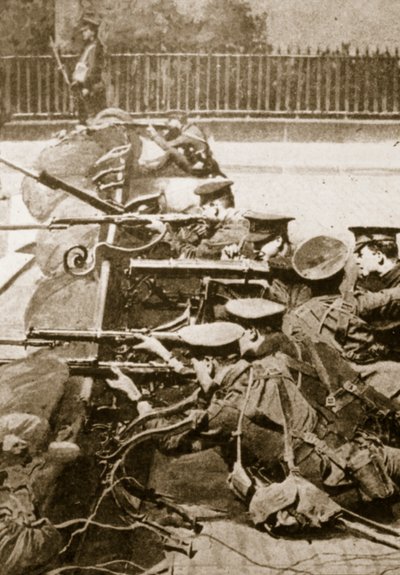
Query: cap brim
{"points": [[254, 308], [216, 334], [256, 237]]}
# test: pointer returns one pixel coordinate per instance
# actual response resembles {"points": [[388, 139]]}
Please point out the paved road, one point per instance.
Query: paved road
{"points": [[325, 186]]}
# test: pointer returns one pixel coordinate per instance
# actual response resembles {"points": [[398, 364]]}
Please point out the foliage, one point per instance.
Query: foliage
{"points": [[25, 26], [158, 25]]}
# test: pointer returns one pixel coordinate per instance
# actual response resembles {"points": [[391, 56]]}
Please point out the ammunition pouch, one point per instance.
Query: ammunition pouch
{"points": [[293, 503], [240, 482], [372, 479]]}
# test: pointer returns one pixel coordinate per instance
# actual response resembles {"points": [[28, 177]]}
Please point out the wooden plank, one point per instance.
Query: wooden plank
{"points": [[308, 85]]}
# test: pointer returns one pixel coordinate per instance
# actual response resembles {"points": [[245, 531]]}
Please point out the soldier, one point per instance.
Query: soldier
{"points": [[222, 223], [87, 81], [281, 431], [377, 256], [267, 238], [186, 145], [344, 320]]}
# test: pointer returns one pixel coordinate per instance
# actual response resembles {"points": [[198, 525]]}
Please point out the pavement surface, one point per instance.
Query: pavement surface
{"points": [[326, 187]]}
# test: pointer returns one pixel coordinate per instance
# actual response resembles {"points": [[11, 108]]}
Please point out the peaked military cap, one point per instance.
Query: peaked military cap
{"points": [[253, 308], [213, 188], [320, 257], [265, 226], [216, 334], [365, 235], [91, 21]]}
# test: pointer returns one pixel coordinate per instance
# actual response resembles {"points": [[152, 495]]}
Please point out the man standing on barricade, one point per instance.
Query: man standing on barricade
{"points": [[87, 83]]}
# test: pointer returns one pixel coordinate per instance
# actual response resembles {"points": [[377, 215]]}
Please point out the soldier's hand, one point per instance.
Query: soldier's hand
{"points": [[152, 345], [85, 92], [125, 384], [230, 252], [198, 417], [151, 131]]}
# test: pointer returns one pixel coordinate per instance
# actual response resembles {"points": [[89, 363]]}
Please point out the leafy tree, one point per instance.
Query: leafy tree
{"points": [[25, 26]]}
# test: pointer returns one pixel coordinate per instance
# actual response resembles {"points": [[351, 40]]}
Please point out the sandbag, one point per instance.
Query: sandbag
{"points": [[63, 302], [30, 428], [33, 385], [25, 542], [70, 159]]}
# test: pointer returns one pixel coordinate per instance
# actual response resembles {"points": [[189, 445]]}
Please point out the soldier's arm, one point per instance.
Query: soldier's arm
{"points": [[384, 304]]}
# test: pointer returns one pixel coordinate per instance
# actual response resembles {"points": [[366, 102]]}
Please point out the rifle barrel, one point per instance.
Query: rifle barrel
{"points": [[26, 342], [25, 171], [16, 227], [97, 336]]}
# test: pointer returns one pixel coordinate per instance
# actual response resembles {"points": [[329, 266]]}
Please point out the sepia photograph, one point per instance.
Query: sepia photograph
{"points": [[199, 287]]}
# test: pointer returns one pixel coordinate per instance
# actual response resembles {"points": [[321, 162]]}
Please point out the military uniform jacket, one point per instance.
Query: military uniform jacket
{"points": [[345, 322], [88, 70], [206, 240]]}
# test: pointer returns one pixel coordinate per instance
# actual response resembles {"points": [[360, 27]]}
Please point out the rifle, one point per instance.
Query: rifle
{"points": [[94, 367], [55, 183], [60, 65], [122, 220], [98, 336], [242, 268]]}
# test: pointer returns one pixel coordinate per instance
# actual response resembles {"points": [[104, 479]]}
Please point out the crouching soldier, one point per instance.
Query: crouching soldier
{"points": [[271, 427], [345, 321]]}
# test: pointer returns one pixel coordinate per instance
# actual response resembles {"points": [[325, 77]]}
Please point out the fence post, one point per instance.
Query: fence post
{"points": [[395, 72], [319, 81]]}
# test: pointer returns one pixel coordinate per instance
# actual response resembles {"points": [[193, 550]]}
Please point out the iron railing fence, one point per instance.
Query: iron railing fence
{"points": [[282, 84]]}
